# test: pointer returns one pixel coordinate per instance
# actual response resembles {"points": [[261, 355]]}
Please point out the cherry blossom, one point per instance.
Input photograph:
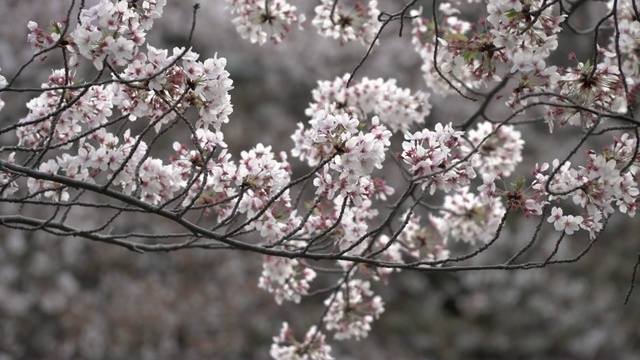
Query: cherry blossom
{"points": [[112, 31], [3, 83], [352, 309], [259, 20], [487, 190], [354, 154], [422, 242], [524, 29], [287, 279], [595, 86], [596, 188], [626, 46], [313, 347], [499, 148], [346, 24], [40, 40], [436, 159], [396, 107], [465, 218], [7, 184], [106, 137], [567, 223], [424, 38]]}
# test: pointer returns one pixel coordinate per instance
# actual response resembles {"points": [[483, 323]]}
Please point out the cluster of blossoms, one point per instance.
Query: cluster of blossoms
{"points": [[520, 34], [469, 60], [40, 39], [153, 85], [623, 151], [436, 158], [607, 181], [260, 20], [596, 188], [90, 110], [567, 223], [204, 86], [346, 224], [359, 23], [424, 42], [352, 309], [313, 347], [346, 140], [596, 87], [629, 37], [466, 218], [257, 178], [159, 87], [352, 226], [353, 154], [261, 176], [423, 242], [396, 107], [7, 184], [286, 279], [217, 172], [111, 31], [526, 31], [499, 149], [538, 79]]}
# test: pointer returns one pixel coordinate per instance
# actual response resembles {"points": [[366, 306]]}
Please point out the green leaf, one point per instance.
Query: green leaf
{"points": [[511, 14], [519, 184], [460, 37], [470, 55]]}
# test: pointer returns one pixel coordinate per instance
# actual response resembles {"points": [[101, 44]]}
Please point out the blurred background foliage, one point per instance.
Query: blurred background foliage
{"points": [[64, 298]]}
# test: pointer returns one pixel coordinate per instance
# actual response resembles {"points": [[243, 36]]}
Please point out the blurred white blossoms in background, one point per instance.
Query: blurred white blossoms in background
{"points": [[260, 20]]}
